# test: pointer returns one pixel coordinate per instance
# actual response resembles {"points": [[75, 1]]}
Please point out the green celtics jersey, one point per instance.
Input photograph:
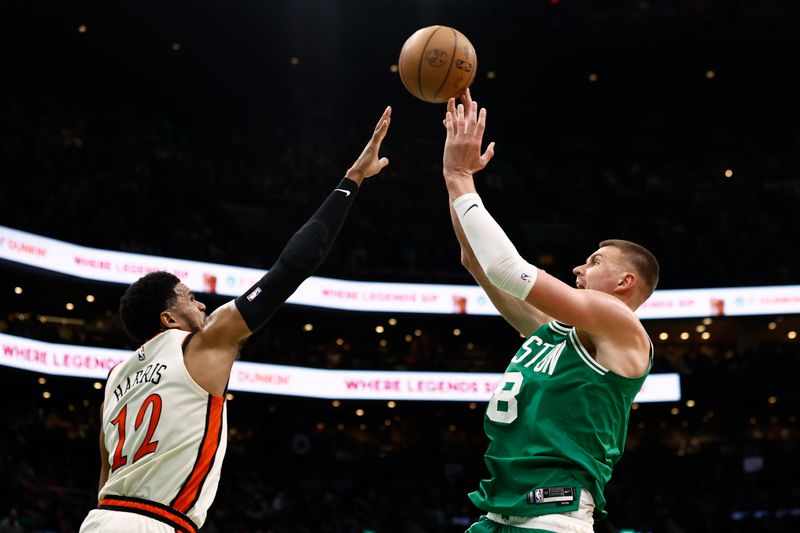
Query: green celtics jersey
{"points": [[557, 419]]}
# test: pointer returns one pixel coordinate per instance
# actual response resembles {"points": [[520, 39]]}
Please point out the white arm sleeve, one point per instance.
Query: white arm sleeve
{"points": [[495, 252]]}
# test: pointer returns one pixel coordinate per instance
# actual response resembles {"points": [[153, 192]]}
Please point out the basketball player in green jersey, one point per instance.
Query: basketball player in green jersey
{"points": [[558, 419]]}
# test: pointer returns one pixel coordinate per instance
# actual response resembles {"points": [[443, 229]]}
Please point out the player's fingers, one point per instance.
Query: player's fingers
{"points": [[481, 123], [488, 154], [383, 126], [380, 131], [473, 116], [466, 97], [448, 122], [384, 117], [480, 126]]}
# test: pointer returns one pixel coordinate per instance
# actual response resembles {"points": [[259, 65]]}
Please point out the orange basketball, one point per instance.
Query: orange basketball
{"points": [[436, 63]]}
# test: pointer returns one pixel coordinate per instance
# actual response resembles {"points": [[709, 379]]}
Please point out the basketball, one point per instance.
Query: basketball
{"points": [[437, 63]]}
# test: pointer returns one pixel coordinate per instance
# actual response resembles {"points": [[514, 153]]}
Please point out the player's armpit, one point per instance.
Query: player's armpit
{"points": [[211, 352], [522, 316], [526, 316], [225, 328]]}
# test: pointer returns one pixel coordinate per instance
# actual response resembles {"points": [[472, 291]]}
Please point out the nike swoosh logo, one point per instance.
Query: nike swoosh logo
{"points": [[470, 207], [346, 193]]}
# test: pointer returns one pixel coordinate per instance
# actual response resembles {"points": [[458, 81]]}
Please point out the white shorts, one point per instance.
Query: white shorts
{"points": [[580, 521], [104, 521]]}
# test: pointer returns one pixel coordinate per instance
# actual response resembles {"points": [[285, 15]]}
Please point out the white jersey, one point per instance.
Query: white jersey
{"points": [[165, 435]]}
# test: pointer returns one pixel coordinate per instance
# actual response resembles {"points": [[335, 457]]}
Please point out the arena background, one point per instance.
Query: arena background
{"points": [[210, 131]]}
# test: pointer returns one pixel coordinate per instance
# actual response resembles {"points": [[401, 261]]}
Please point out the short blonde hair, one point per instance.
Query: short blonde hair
{"points": [[643, 261]]}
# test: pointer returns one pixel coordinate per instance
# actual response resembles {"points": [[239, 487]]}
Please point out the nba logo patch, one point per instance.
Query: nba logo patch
{"points": [[252, 295], [140, 353], [538, 495]]}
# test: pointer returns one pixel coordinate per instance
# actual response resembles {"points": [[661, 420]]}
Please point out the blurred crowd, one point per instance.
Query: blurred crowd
{"points": [[234, 195], [294, 465], [687, 147]]}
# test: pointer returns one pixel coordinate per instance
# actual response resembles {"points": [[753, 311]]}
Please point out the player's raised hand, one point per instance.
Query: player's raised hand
{"points": [[465, 125], [368, 163]]}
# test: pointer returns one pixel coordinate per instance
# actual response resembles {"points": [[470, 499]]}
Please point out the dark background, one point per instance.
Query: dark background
{"points": [[222, 148], [187, 129]]}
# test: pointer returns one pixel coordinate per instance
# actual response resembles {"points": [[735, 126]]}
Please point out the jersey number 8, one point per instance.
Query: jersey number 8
{"points": [[508, 397]]}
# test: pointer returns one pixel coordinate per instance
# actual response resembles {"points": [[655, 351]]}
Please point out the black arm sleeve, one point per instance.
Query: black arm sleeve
{"points": [[300, 258]]}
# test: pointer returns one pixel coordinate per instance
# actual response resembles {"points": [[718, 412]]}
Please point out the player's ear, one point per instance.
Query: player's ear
{"points": [[627, 281], [168, 320]]}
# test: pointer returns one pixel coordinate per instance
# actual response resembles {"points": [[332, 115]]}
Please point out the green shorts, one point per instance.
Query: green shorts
{"points": [[484, 525]]}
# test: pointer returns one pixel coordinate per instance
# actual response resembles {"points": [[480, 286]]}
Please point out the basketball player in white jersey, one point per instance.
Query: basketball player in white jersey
{"points": [[164, 429]]}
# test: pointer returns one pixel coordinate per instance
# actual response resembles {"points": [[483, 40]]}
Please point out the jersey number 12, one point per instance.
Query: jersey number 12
{"points": [[148, 446]]}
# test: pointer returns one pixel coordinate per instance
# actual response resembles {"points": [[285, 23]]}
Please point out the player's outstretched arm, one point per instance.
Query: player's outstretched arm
{"points": [[609, 321], [309, 246], [462, 158], [522, 316], [232, 323]]}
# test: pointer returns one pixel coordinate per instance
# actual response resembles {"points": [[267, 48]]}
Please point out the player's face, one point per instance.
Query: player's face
{"points": [[191, 312], [602, 271]]}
